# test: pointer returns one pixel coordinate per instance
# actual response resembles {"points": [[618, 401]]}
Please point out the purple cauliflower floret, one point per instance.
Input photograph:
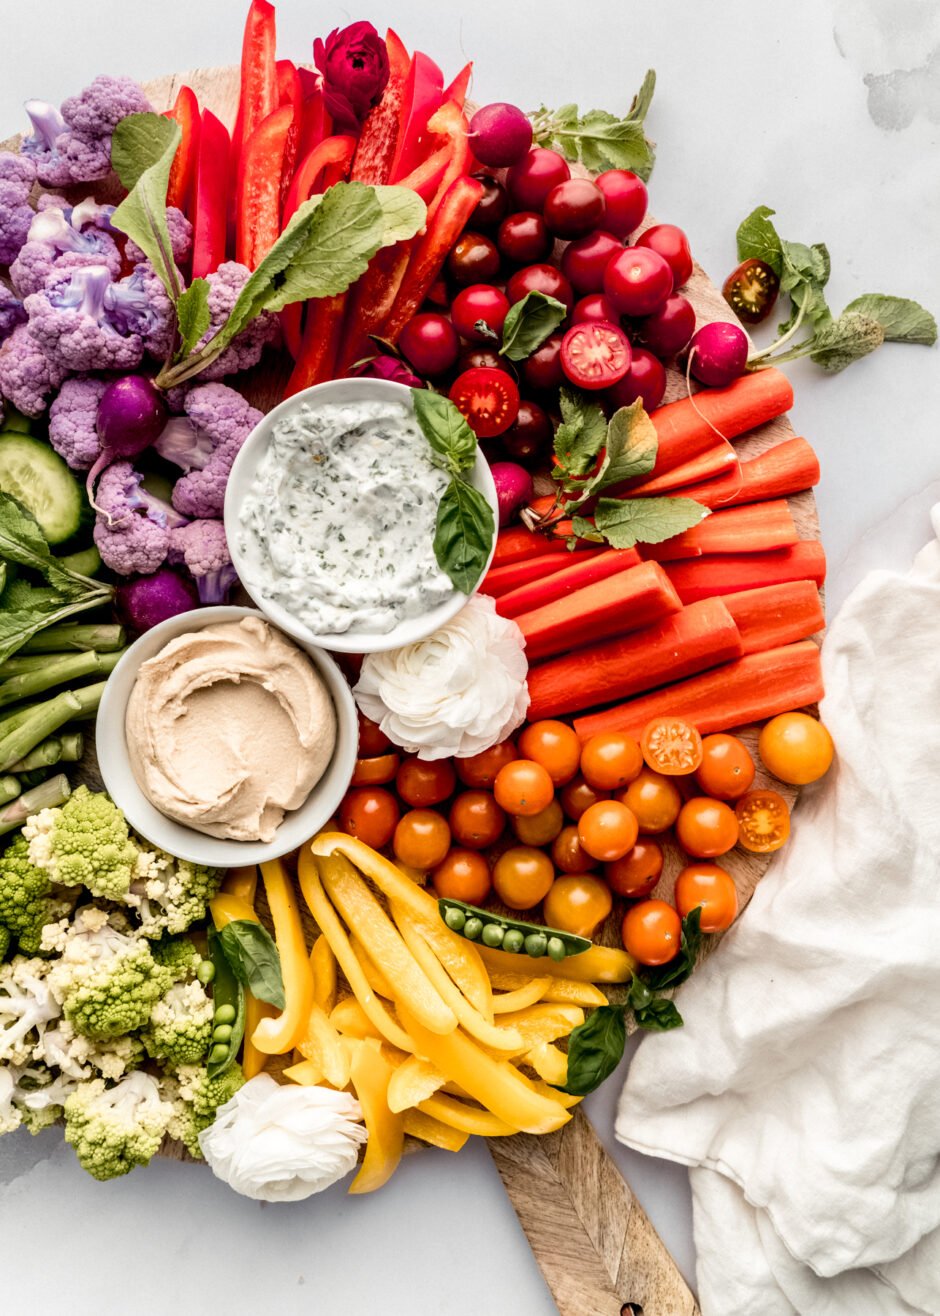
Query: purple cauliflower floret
{"points": [[40, 146], [74, 145], [98, 109], [202, 548], [72, 421], [27, 376], [205, 443], [245, 351], [17, 175], [181, 238], [148, 600], [133, 527], [140, 304], [12, 312], [63, 238], [82, 324]]}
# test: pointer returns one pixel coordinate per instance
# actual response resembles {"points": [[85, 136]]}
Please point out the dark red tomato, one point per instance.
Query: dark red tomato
{"points": [[625, 195], [540, 278], [530, 437], [542, 370], [479, 302], [474, 258], [493, 205], [595, 306], [533, 177], [489, 399], [669, 329], [423, 782], [595, 355], [430, 343], [574, 207], [672, 244], [438, 294], [584, 261], [471, 357], [372, 739], [523, 237], [638, 281], [645, 379], [751, 290], [371, 814]]}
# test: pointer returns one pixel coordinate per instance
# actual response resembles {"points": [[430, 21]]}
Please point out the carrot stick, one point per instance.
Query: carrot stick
{"points": [[758, 528], [685, 428], [786, 468], [698, 637], [573, 576], [776, 614], [517, 544], [512, 575], [729, 573], [714, 461], [748, 690]]}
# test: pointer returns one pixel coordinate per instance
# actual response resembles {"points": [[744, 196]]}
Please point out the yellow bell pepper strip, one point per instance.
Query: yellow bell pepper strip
{"points": [[467, 970], [549, 1063], [599, 964], [563, 991], [564, 1099], [377, 979], [323, 964], [366, 918], [471, 1119], [543, 1023], [472, 1022], [228, 907], [242, 882], [495, 1084], [525, 994], [370, 1073], [413, 1082], [280, 1033], [253, 1060], [306, 1072], [321, 1044], [433, 1132], [329, 924]]}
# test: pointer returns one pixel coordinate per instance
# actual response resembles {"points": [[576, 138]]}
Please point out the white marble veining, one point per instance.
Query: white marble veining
{"points": [[827, 110]]}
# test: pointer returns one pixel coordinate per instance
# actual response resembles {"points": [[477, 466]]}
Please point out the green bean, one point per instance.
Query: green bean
{"points": [[511, 934], [228, 996]]}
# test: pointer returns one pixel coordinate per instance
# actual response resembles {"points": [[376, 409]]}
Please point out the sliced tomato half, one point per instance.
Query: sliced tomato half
{"points": [[595, 354]]}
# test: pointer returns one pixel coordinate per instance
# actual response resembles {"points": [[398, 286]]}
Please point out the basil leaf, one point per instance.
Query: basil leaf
{"points": [[445, 429], [845, 340], [632, 445], [254, 960], [192, 314], [659, 1016], [627, 521], [595, 1049], [580, 436], [903, 320], [758, 239], [142, 213], [464, 534], [529, 323]]}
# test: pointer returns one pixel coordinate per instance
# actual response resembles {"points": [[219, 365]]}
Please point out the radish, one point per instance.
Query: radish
{"points": [[718, 353], [131, 416], [500, 134], [513, 488]]}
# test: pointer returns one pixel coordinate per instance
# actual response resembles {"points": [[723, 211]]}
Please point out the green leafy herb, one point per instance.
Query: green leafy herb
{"points": [[681, 965], [580, 436], [597, 139], [838, 344], [632, 445], [192, 313], [445, 429], [464, 534], [624, 522], [903, 320], [529, 323], [254, 960], [758, 240], [595, 1049], [142, 151], [138, 143]]}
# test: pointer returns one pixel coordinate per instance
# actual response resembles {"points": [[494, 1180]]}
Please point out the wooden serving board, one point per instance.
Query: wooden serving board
{"points": [[594, 1244]]}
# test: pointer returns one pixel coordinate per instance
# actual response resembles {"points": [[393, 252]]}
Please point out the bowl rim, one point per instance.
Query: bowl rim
{"points": [[176, 838], [411, 630]]}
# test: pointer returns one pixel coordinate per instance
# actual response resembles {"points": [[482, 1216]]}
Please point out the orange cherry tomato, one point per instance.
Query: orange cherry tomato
{"points": [[539, 828], [577, 903], [480, 770], [375, 771], [796, 748], [423, 782], [710, 888], [422, 839], [523, 787], [569, 854], [463, 875], [522, 877], [607, 830], [578, 796], [672, 746], [654, 801], [610, 761], [555, 745], [371, 814], [727, 769], [706, 828], [372, 739], [637, 872], [763, 821], [476, 820], [652, 932]]}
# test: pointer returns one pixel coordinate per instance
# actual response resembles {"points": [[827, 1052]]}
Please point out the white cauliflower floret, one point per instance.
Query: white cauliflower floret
{"points": [[10, 1117], [27, 1005], [79, 1057], [40, 1096], [169, 894]]}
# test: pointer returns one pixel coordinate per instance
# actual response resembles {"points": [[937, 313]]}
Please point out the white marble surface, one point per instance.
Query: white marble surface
{"points": [[827, 110]]}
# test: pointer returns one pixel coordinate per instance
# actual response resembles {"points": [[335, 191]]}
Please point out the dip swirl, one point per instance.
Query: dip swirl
{"points": [[228, 728]]}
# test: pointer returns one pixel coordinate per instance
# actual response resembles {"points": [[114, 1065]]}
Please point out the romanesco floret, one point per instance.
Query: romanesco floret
{"points": [[6, 941], [170, 894], [77, 1056], [195, 1098], [28, 899], [178, 954], [84, 843], [106, 980], [114, 1129], [180, 1027], [27, 1005]]}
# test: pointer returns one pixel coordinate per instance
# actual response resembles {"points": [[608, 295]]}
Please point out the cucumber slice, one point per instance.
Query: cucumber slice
{"points": [[33, 473], [14, 421]]}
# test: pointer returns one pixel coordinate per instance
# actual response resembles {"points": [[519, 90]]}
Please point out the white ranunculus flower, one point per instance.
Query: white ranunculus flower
{"points": [[283, 1143], [458, 692]]}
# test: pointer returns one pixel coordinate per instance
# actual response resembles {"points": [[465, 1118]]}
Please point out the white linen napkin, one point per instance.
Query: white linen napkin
{"points": [[805, 1085]]}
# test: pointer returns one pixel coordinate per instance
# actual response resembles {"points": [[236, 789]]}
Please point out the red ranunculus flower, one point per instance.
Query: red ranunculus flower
{"points": [[354, 64], [389, 367]]}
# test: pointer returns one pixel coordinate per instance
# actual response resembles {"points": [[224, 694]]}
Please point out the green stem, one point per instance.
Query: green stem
{"points": [[105, 638], [87, 562], [757, 357], [49, 795], [57, 749], [59, 671], [9, 789], [44, 720]]}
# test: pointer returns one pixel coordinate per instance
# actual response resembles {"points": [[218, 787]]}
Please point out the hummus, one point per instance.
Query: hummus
{"points": [[228, 728]]}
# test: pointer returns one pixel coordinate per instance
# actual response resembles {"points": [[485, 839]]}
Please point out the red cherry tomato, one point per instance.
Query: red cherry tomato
{"points": [[635, 875], [493, 205], [476, 820], [375, 771], [668, 330], [584, 261], [577, 797], [626, 197], [532, 178], [610, 761], [638, 280], [423, 782], [371, 814], [430, 343], [542, 370], [488, 399], [595, 306], [479, 302], [672, 244], [726, 771], [472, 357], [607, 830], [479, 771], [540, 278], [646, 379], [372, 740], [751, 290], [706, 828], [474, 258], [595, 355], [523, 237], [568, 854], [421, 839], [529, 438], [574, 207], [523, 787]]}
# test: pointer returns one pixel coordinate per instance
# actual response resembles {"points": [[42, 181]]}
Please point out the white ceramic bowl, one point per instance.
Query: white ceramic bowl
{"points": [[241, 478], [184, 842]]}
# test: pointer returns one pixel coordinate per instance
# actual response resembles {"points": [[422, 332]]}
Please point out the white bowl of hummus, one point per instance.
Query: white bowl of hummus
{"points": [[330, 514], [225, 741]]}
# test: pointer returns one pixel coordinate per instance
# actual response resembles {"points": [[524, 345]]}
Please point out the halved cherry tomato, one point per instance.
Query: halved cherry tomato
{"points": [[569, 854], [710, 888], [372, 739], [522, 877], [422, 782], [375, 771], [607, 830], [422, 839], [488, 399], [577, 903], [555, 745], [371, 814], [578, 796], [727, 769], [595, 355], [796, 748], [480, 770], [610, 761], [523, 787], [671, 746], [637, 872], [653, 800], [706, 828], [539, 828], [652, 932], [763, 821], [476, 820], [463, 875], [751, 290]]}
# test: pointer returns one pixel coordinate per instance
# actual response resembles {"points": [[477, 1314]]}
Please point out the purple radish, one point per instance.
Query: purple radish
{"points": [[148, 600], [513, 488], [131, 416], [500, 134], [718, 353]]}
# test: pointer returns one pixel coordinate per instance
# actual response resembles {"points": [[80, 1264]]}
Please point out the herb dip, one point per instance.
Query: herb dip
{"points": [[338, 524]]}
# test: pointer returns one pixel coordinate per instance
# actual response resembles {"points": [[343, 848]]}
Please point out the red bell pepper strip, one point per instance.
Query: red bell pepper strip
{"points": [[370, 301], [317, 123], [426, 179], [457, 91], [259, 96], [318, 352], [379, 136], [335, 153], [186, 113], [211, 193], [452, 122], [290, 92], [422, 97], [258, 209]]}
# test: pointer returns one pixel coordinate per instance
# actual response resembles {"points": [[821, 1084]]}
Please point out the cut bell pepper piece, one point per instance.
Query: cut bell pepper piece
{"points": [[183, 169], [321, 1043], [349, 1018], [563, 991], [259, 93], [599, 964], [528, 993], [317, 357], [424, 87], [369, 302], [258, 209], [281, 1033], [227, 907], [377, 979], [304, 1072], [549, 1063], [433, 1132], [379, 136], [370, 1073], [253, 1060], [290, 92], [470, 1119], [323, 966], [426, 177], [316, 123], [242, 882], [541, 1023], [451, 122], [310, 178], [212, 194], [413, 1082], [457, 91]]}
